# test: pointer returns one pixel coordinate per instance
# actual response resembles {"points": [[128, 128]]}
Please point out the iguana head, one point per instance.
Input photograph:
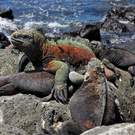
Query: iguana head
{"points": [[96, 47], [95, 68], [30, 42]]}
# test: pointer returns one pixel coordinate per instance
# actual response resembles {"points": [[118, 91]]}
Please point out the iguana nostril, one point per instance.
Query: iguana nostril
{"points": [[86, 76]]}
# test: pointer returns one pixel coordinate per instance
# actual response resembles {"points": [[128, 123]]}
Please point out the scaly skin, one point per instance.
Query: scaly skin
{"points": [[53, 57], [93, 103], [37, 83], [90, 99], [120, 57]]}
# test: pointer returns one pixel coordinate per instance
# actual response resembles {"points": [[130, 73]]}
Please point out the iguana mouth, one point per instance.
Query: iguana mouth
{"points": [[16, 41]]}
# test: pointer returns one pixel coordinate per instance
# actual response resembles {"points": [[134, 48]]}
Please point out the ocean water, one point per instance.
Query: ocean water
{"points": [[56, 16], [60, 11]]}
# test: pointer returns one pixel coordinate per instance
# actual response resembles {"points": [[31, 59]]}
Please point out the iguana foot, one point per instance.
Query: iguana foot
{"points": [[61, 93]]}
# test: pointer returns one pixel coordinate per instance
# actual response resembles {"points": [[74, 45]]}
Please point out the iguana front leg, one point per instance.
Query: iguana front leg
{"points": [[61, 71], [23, 62]]}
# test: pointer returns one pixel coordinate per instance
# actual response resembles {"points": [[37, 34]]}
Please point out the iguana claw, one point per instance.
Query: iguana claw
{"points": [[61, 93]]}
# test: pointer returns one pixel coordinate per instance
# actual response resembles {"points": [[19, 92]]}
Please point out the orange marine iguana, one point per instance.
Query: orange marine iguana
{"points": [[53, 57]]}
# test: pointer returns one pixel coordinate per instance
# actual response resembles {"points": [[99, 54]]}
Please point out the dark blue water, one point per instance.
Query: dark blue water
{"points": [[61, 11]]}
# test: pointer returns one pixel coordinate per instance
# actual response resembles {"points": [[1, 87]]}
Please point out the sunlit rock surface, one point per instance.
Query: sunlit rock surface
{"points": [[6, 129], [28, 113], [119, 129], [9, 61]]}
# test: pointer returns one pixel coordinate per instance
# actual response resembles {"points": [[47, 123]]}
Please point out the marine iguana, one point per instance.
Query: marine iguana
{"points": [[93, 104], [91, 100], [54, 57], [32, 82], [120, 57]]}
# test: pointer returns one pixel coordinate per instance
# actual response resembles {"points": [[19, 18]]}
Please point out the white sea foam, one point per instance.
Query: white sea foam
{"points": [[57, 25], [124, 22], [29, 25], [133, 37], [7, 26]]}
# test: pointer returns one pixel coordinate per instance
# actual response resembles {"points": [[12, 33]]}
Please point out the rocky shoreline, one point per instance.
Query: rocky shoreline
{"points": [[27, 114]]}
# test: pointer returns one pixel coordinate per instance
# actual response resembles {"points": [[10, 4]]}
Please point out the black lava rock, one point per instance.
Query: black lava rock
{"points": [[6, 13], [4, 41], [120, 19]]}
